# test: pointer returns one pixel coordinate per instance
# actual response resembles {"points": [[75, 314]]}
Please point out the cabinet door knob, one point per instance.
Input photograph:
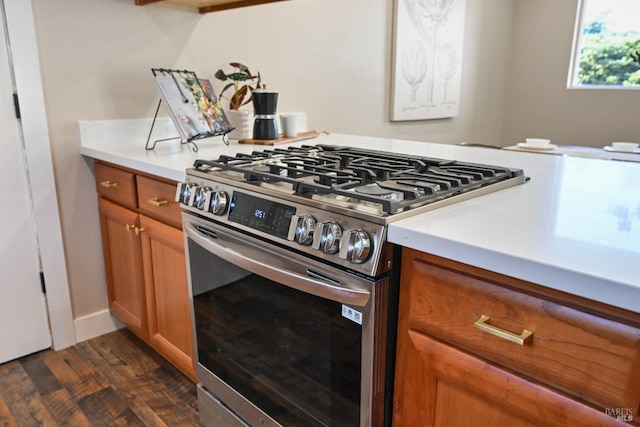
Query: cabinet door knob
{"points": [[483, 324], [157, 202], [138, 230], [109, 184], [129, 227]]}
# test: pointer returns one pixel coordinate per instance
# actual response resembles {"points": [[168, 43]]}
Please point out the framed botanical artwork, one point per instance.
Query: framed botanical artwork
{"points": [[427, 59]]}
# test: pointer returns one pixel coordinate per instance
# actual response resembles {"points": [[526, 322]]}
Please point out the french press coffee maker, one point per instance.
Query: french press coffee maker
{"points": [[265, 126]]}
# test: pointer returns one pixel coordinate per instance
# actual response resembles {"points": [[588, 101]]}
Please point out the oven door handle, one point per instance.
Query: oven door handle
{"points": [[248, 259]]}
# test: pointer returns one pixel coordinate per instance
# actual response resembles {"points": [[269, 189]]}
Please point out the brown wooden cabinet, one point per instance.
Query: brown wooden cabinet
{"points": [[458, 362], [123, 259], [145, 261], [206, 6], [167, 294]]}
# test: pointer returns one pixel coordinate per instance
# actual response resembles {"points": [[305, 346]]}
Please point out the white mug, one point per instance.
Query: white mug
{"points": [[289, 127]]}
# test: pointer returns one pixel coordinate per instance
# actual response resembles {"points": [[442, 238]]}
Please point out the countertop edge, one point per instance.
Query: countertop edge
{"points": [[583, 285], [159, 171]]}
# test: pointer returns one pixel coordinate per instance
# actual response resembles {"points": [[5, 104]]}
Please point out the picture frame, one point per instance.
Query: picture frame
{"points": [[427, 59]]}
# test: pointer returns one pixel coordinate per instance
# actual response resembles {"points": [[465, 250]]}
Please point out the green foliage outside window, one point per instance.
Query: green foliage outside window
{"points": [[609, 58]]}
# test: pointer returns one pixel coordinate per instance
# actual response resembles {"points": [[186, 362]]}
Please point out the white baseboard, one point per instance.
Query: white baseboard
{"points": [[95, 324]]}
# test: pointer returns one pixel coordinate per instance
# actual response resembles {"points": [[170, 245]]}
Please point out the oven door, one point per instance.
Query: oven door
{"points": [[282, 339]]}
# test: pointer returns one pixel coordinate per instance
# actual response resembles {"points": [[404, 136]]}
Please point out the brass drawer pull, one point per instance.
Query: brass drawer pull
{"points": [[483, 325], [109, 184], [156, 202]]}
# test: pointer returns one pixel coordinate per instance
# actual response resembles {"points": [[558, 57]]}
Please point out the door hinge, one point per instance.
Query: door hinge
{"points": [[16, 105], [44, 288]]}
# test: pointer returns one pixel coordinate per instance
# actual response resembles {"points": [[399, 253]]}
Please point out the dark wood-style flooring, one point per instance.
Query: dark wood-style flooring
{"points": [[112, 380]]}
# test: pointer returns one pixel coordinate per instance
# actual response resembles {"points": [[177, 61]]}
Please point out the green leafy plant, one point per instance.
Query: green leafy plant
{"points": [[243, 82], [636, 56], [608, 61]]}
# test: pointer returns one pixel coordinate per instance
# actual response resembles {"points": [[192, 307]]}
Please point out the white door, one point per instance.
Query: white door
{"points": [[24, 328]]}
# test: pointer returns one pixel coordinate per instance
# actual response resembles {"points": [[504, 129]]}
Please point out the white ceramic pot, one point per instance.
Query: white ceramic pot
{"points": [[242, 121]]}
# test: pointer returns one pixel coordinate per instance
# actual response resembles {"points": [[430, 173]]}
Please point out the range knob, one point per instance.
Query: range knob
{"points": [[305, 227], [184, 192], [355, 246], [219, 203], [202, 198], [327, 237]]}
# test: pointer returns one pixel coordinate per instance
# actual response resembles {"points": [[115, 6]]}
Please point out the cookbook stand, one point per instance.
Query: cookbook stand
{"points": [[148, 147], [193, 107]]}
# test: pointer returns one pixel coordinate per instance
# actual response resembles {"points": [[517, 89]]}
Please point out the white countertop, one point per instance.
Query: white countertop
{"points": [[574, 227], [580, 151]]}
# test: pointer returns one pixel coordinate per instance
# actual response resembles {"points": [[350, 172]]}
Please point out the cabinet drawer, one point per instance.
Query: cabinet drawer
{"points": [[584, 355], [157, 199], [115, 184]]}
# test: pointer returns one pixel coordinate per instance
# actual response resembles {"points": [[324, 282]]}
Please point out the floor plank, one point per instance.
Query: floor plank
{"points": [[65, 410], [112, 380], [6, 419], [78, 377], [23, 399], [107, 408], [40, 374]]}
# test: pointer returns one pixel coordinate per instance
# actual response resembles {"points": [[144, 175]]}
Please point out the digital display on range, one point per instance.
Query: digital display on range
{"points": [[260, 214]]}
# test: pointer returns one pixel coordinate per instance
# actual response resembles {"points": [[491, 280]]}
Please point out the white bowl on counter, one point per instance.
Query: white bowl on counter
{"points": [[537, 142], [625, 146]]}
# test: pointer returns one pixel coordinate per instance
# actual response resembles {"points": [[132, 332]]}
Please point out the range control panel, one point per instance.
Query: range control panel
{"points": [[337, 238]]}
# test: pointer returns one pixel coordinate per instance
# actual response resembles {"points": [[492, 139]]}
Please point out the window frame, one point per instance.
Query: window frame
{"points": [[576, 49]]}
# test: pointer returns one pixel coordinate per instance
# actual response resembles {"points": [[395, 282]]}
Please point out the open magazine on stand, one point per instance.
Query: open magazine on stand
{"points": [[191, 103]]}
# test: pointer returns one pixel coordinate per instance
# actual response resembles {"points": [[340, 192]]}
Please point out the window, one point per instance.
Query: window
{"points": [[606, 45]]}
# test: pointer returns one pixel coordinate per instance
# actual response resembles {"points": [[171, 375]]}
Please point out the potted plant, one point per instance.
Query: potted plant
{"points": [[242, 82]]}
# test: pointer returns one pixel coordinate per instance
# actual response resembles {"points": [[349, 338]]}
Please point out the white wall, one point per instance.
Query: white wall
{"points": [[538, 104], [330, 58]]}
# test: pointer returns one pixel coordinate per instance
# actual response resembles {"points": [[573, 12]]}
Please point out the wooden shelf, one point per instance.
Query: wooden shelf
{"points": [[206, 6]]}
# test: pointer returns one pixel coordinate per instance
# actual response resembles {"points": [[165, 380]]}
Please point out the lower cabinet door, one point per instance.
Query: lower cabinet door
{"points": [[123, 266], [439, 385], [167, 294]]}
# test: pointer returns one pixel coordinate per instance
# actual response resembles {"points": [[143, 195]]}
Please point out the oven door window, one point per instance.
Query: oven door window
{"points": [[291, 354]]}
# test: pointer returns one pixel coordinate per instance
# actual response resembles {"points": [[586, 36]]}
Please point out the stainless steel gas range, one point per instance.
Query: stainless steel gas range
{"points": [[294, 286]]}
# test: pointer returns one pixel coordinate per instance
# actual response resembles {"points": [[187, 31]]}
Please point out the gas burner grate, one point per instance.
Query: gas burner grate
{"points": [[353, 173]]}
